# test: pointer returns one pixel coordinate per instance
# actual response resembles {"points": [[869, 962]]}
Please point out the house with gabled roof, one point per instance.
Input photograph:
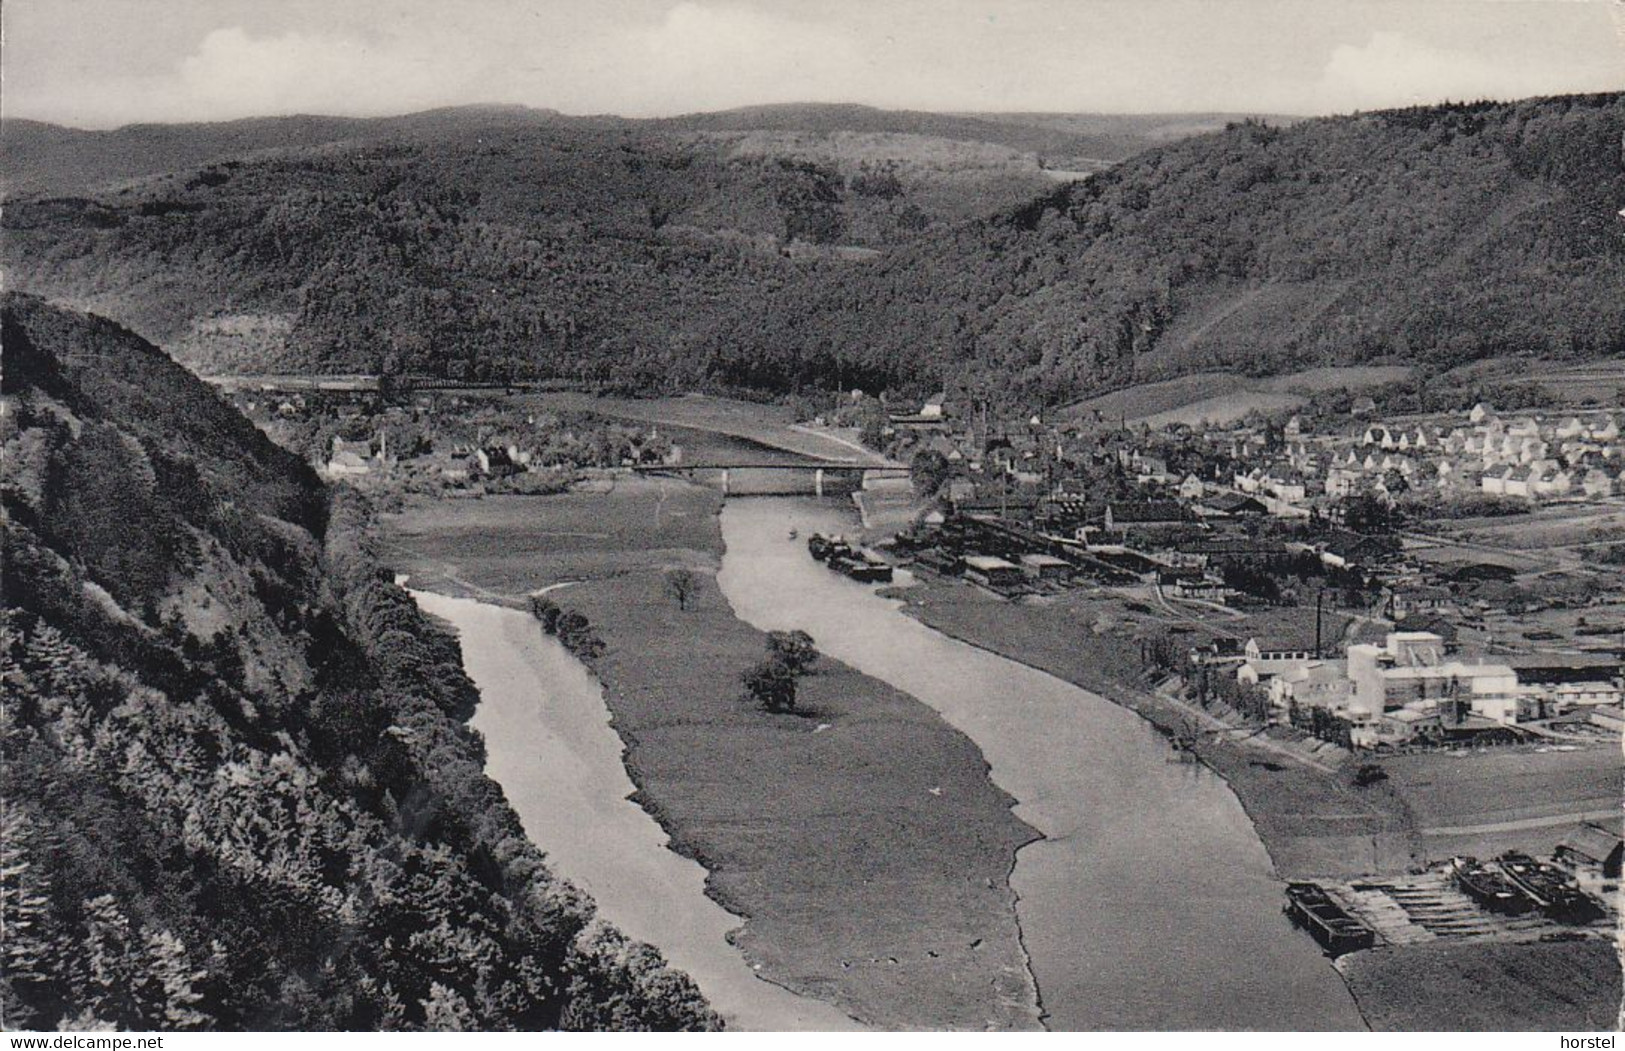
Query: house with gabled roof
{"points": [[1596, 484], [1594, 854]]}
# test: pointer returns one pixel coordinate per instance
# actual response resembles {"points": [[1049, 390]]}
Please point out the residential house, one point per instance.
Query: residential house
{"points": [[1551, 483], [1341, 482], [1596, 484], [1378, 435], [1287, 486], [1494, 481]]}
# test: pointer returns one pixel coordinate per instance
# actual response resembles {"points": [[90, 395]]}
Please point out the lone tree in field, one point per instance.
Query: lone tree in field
{"points": [[794, 648], [681, 584], [772, 684]]}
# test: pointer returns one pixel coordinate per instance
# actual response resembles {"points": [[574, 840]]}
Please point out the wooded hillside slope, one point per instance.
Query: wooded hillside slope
{"points": [[1439, 236], [240, 791]]}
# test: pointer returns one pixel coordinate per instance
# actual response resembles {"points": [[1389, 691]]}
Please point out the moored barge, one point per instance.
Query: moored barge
{"points": [[860, 564], [1550, 888], [824, 547], [1310, 907], [1489, 887]]}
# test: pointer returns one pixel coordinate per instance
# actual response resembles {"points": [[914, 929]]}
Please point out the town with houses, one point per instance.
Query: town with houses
{"points": [[1366, 522], [1343, 584], [1349, 513]]}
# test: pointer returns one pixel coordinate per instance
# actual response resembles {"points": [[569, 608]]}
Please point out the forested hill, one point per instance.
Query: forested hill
{"points": [[480, 244], [239, 788], [1436, 235], [54, 160], [47, 159], [734, 251]]}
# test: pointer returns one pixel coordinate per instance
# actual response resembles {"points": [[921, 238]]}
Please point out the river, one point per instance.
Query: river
{"points": [[1150, 903], [550, 745]]}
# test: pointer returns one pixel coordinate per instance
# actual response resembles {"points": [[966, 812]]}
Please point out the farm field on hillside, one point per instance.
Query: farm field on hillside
{"points": [[1221, 397]]}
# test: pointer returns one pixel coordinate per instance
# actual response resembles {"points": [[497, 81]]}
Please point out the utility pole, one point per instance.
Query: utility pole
{"points": [[1319, 595]]}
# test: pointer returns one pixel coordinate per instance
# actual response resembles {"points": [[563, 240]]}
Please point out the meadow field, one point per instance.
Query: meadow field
{"points": [[1488, 987]]}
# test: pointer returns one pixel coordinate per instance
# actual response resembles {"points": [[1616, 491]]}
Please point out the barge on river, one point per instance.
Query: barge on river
{"points": [[1310, 907], [858, 563]]}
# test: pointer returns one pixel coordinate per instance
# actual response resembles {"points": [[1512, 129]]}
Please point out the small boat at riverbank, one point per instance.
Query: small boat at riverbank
{"points": [[1310, 907], [823, 548], [1489, 887]]}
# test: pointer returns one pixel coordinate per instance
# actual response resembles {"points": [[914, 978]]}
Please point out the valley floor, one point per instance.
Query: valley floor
{"points": [[859, 886]]}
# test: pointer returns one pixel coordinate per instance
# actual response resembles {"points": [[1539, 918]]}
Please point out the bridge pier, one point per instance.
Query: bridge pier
{"points": [[818, 482]]}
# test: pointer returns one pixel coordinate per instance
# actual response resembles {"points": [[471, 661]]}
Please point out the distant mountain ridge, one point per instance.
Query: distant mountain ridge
{"points": [[50, 158], [58, 160], [760, 249]]}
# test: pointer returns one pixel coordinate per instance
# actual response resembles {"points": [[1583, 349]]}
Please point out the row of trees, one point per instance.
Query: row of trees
{"points": [[571, 627]]}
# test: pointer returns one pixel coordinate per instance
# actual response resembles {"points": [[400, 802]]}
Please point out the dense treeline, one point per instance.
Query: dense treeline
{"points": [[641, 258], [239, 789]]}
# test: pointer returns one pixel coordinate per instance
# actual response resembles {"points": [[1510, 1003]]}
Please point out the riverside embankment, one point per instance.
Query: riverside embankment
{"points": [[550, 746], [1151, 902]]}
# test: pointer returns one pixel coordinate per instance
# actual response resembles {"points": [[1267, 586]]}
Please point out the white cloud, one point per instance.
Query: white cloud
{"points": [[1391, 69], [218, 59], [234, 74], [707, 56]]}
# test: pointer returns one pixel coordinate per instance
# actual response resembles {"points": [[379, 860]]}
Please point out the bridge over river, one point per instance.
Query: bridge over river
{"points": [[786, 475]]}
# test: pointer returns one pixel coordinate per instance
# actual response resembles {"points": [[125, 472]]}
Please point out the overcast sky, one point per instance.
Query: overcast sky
{"points": [[100, 63]]}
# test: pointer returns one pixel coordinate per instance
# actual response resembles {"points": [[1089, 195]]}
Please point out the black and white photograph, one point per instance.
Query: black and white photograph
{"points": [[812, 516]]}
